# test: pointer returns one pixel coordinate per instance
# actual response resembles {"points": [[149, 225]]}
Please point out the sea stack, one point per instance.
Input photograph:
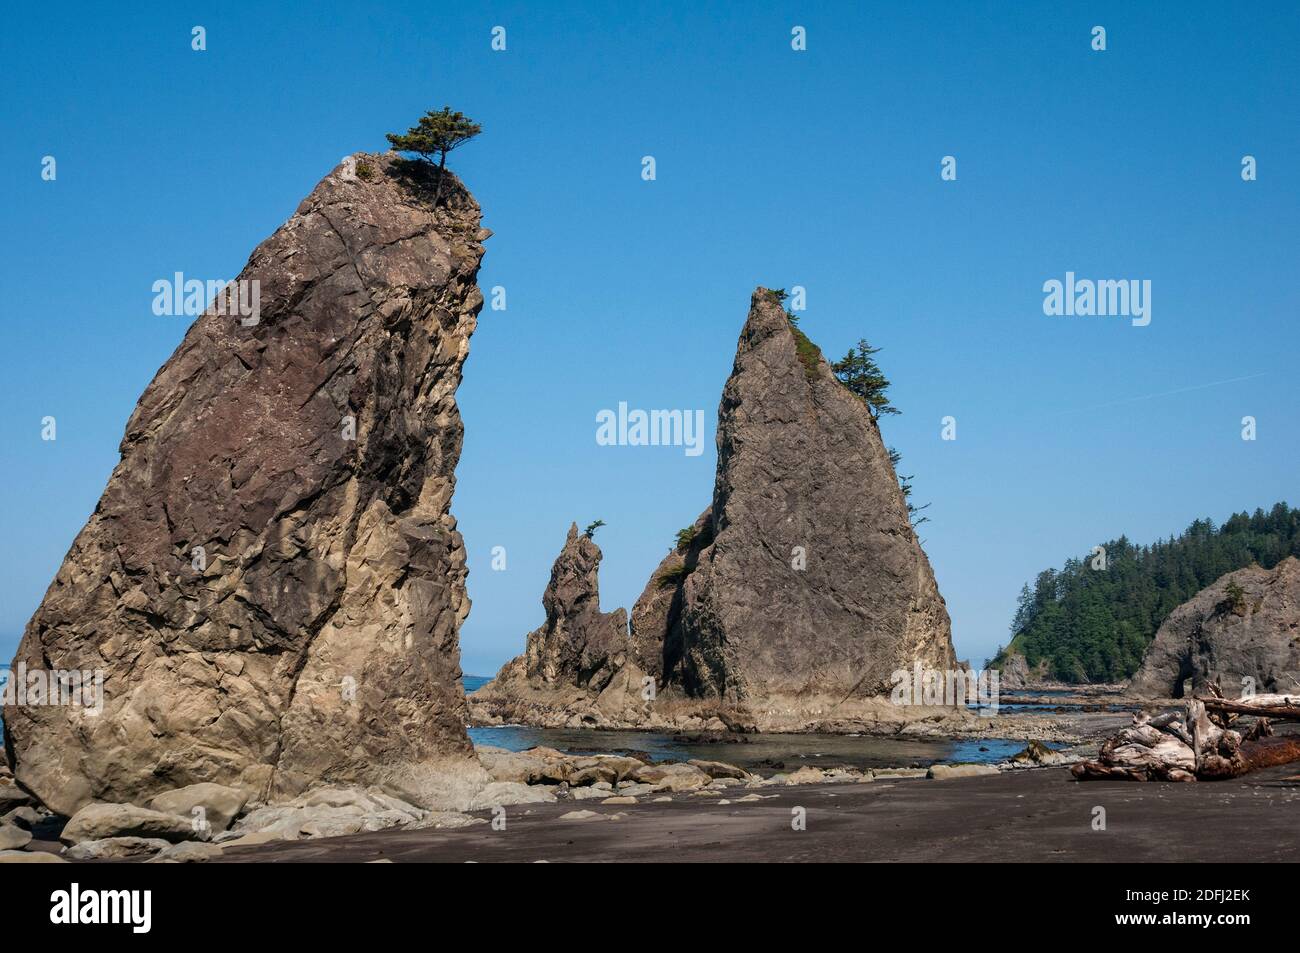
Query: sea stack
{"points": [[791, 600], [1245, 625], [272, 583], [576, 663], [813, 583]]}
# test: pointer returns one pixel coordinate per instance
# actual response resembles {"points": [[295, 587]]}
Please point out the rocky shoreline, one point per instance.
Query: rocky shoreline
{"points": [[204, 822]]}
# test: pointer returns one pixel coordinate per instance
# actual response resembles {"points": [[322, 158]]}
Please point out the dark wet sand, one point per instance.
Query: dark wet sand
{"points": [[1038, 815]]}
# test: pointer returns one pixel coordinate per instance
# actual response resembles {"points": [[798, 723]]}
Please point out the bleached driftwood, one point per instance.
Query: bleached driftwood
{"points": [[1281, 707], [1194, 743]]}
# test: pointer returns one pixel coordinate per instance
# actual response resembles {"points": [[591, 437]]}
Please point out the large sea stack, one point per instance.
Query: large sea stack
{"points": [[1245, 625], [813, 583], [272, 582]]}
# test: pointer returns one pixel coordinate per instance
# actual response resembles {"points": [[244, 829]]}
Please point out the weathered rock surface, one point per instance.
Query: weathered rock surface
{"points": [[1016, 673], [814, 582], [29, 857], [190, 852], [1211, 638], [116, 848], [272, 582], [107, 821], [326, 812], [719, 770], [656, 616]]}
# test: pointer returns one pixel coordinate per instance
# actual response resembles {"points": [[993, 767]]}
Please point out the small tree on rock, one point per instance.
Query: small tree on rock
{"points": [[859, 372], [437, 133]]}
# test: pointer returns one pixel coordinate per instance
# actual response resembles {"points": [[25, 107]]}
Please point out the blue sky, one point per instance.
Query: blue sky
{"points": [[816, 168]]}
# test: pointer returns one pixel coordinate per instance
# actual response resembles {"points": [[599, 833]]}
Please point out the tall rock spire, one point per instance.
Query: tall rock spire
{"points": [[813, 582], [272, 582]]}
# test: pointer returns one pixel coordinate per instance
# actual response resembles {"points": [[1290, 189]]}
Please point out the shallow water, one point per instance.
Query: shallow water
{"points": [[763, 753]]}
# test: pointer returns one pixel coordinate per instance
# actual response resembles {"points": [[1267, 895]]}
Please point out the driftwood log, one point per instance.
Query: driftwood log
{"points": [[1196, 744]]}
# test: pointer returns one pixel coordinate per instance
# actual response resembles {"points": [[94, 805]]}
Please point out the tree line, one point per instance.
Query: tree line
{"points": [[1093, 624]]}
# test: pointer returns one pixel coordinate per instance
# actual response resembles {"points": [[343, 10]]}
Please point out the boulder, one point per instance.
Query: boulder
{"points": [[517, 766], [671, 777], [609, 768], [583, 816], [29, 857], [232, 839], [272, 582], [190, 852], [1038, 753], [116, 848], [445, 820], [13, 837], [1245, 625], [329, 811], [12, 796], [24, 817], [219, 804], [107, 821], [717, 769], [506, 793]]}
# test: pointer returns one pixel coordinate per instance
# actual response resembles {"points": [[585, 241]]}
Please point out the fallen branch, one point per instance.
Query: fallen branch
{"points": [[1270, 752], [1285, 707]]}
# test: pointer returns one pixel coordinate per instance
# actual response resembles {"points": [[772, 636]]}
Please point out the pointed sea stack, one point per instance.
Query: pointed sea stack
{"points": [[272, 583], [813, 583]]}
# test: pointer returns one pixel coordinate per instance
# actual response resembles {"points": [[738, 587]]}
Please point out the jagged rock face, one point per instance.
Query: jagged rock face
{"points": [[578, 645], [1212, 636], [316, 636], [656, 616], [803, 477], [1016, 673]]}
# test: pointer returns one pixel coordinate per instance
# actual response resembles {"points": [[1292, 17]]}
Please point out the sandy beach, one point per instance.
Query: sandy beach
{"points": [[1037, 815]]}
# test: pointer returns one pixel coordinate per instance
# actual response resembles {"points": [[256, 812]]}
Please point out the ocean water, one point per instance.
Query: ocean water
{"points": [[760, 753]]}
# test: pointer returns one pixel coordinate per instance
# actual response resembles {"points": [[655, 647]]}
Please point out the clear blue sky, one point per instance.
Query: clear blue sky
{"points": [[818, 168]]}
